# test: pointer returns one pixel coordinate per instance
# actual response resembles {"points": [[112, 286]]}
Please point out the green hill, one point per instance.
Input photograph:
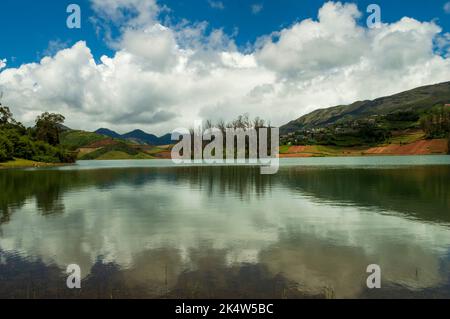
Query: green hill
{"points": [[76, 139], [116, 151], [138, 137], [417, 100], [94, 146]]}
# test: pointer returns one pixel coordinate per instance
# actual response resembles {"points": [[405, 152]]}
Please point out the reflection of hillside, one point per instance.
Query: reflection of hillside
{"points": [[423, 192]]}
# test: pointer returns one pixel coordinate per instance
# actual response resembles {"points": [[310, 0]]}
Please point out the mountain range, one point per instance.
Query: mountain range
{"points": [[137, 137]]}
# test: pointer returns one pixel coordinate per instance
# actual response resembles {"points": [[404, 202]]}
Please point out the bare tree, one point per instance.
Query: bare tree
{"points": [[222, 126], [208, 125]]}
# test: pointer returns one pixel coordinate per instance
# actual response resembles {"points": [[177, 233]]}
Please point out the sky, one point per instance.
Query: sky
{"points": [[162, 65]]}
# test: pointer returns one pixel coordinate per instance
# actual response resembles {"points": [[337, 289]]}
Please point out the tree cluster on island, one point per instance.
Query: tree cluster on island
{"points": [[241, 122]]}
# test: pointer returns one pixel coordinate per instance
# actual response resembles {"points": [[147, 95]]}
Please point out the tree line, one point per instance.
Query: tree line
{"points": [[242, 122], [40, 143], [436, 123]]}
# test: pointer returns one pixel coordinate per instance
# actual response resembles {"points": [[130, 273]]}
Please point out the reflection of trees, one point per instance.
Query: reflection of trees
{"points": [[47, 187], [423, 192], [238, 181]]}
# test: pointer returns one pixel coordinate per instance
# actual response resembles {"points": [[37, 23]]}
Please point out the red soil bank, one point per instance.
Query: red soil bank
{"points": [[424, 147]]}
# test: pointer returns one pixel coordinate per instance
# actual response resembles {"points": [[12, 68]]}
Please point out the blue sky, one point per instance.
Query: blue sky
{"points": [[31, 29]]}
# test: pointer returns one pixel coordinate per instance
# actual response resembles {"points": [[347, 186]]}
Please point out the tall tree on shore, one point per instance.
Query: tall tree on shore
{"points": [[5, 115], [48, 127]]}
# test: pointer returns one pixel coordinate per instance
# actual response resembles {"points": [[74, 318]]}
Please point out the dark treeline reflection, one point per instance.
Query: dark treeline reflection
{"points": [[422, 192], [47, 187]]}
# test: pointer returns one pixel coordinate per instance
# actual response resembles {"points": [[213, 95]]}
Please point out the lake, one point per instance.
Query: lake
{"points": [[150, 229]]}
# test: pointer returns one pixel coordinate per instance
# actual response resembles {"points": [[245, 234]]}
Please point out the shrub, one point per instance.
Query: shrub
{"points": [[24, 148], [67, 156], [6, 149]]}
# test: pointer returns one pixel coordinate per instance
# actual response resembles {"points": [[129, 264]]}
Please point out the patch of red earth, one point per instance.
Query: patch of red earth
{"points": [[102, 143], [296, 149], [423, 147]]}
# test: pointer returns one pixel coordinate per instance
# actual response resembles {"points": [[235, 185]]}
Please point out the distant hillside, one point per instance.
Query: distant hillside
{"points": [[75, 139], [417, 100], [97, 146], [138, 137], [107, 132]]}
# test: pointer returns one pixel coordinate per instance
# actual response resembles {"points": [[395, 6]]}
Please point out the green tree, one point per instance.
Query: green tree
{"points": [[6, 148], [48, 127], [24, 148], [436, 123], [5, 115], [448, 143]]}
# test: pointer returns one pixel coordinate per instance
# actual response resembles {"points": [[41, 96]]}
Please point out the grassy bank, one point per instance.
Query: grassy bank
{"points": [[21, 163]]}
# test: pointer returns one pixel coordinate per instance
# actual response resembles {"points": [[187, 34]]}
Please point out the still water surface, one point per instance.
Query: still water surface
{"points": [[148, 229]]}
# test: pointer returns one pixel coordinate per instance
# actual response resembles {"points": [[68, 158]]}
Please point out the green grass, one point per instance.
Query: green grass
{"points": [[284, 149], [118, 151], [348, 141], [21, 163], [76, 139], [399, 126], [155, 150], [407, 138], [118, 155]]}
